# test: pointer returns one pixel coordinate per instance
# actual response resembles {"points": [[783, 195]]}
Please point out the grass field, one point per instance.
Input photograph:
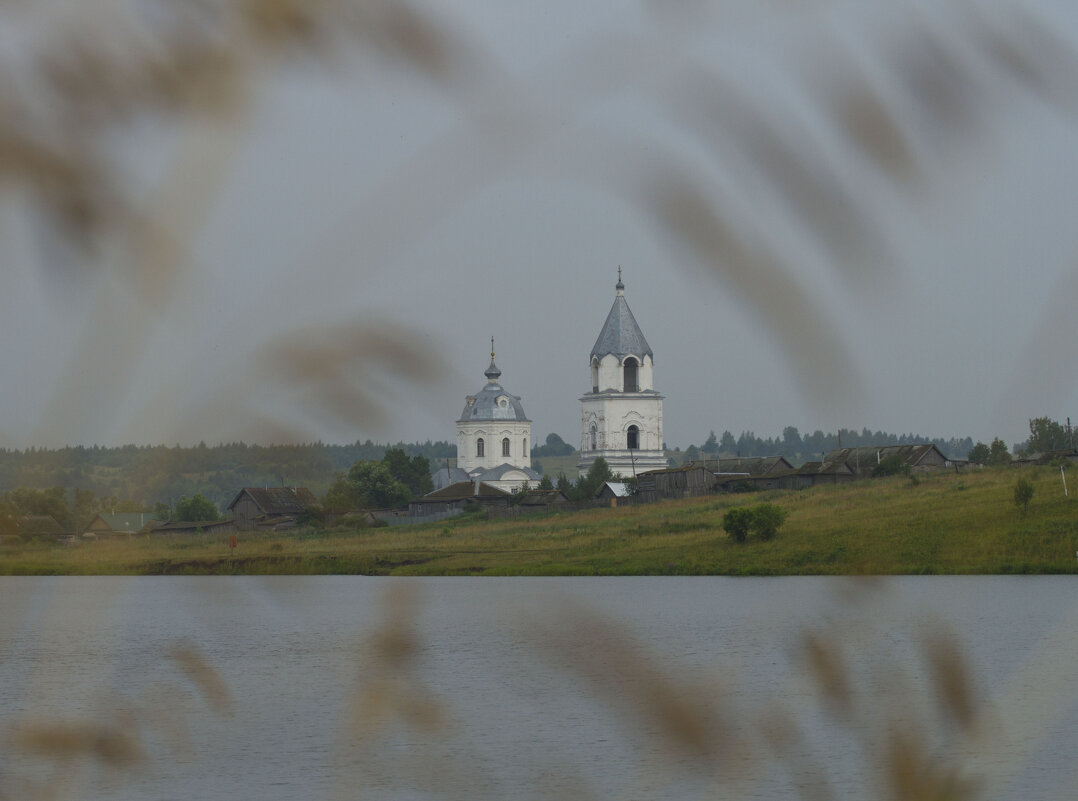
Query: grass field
{"points": [[943, 523]]}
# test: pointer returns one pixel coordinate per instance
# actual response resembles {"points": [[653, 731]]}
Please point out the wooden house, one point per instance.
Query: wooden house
{"points": [[612, 489], [193, 527], [270, 507], [865, 461], [751, 465], [123, 524], [459, 496], [538, 500], [27, 526], [676, 482]]}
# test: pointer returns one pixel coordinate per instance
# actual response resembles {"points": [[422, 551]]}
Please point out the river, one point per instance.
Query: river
{"points": [[483, 688]]}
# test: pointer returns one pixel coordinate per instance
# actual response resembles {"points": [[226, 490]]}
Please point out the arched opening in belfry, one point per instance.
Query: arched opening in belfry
{"points": [[631, 371], [594, 375], [479, 447], [633, 438], [594, 437]]}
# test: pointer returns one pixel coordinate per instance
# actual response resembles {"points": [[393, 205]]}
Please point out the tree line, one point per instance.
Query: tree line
{"points": [[798, 447], [144, 475]]}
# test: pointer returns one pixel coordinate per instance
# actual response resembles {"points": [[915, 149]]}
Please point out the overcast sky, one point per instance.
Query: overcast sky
{"points": [[883, 234]]}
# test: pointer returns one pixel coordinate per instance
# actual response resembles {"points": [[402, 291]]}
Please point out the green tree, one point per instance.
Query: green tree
{"points": [[727, 444], [545, 483], [50, 502], [891, 466], [369, 485], [791, 441], [711, 444], [565, 486], [737, 522], [414, 473], [1046, 434], [998, 455], [197, 508], [1023, 494], [766, 520], [555, 446], [599, 472], [979, 454]]}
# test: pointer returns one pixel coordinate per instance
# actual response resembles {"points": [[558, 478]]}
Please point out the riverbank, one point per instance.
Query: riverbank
{"points": [[943, 523]]}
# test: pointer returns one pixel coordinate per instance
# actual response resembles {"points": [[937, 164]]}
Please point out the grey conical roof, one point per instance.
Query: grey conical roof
{"points": [[621, 335]]}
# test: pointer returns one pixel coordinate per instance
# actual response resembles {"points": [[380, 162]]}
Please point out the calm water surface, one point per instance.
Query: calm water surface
{"points": [[557, 687]]}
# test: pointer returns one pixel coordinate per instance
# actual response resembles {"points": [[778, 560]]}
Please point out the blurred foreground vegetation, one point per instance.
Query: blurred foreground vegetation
{"points": [[940, 523]]}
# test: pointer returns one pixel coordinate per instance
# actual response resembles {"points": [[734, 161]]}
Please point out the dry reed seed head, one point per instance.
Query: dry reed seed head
{"points": [[875, 130], [204, 676], [824, 656], [914, 775], [1031, 54], [779, 729], [952, 677], [113, 743], [749, 266], [689, 717]]}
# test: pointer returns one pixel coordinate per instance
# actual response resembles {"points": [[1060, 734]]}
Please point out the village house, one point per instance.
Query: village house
{"points": [[612, 489], [457, 497], [676, 482], [271, 508], [120, 525], [28, 526], [864, 461], [538, 500], [191, 527]]}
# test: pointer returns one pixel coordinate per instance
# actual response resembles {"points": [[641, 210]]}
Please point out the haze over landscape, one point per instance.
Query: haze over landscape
{"points": [[824, 220]]}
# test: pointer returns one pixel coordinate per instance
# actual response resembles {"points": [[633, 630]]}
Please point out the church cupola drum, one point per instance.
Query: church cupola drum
{"points": [[493, 430], [622, 416]]}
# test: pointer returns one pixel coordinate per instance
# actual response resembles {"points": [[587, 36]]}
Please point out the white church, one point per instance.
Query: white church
{"points": [[622, 416], [493, 439]]}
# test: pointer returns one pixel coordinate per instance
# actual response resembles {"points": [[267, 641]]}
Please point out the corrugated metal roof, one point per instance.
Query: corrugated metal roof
{"points": [[621, 335]]}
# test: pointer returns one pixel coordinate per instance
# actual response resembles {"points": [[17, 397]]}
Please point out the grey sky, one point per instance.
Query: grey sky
{"points": [[363, 194]]}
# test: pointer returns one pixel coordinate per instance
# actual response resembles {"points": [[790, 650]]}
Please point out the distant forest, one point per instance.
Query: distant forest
{"points": [[149, 474], [152, 474], [800, 448]]}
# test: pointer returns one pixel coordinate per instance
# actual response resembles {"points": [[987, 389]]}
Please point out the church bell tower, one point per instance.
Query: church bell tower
{"points": [[622, 415]]}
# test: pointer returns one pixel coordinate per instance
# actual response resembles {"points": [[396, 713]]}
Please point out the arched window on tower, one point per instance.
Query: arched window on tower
{"points": [[633, 438], [594, 375], [479, 447], [594, 437], [505, 446], [524, 448], [631, 369]]}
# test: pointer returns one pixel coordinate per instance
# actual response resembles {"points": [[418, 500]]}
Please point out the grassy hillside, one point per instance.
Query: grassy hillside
{"points": [[944, 523]]}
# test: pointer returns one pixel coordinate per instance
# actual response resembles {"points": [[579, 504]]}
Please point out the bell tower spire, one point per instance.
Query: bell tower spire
{"points": [[621, 418]]}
